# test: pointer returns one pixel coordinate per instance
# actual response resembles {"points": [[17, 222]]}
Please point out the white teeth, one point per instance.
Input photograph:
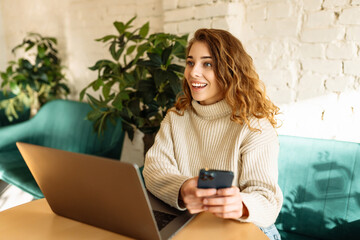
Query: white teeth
{"points": [[198, 84]]}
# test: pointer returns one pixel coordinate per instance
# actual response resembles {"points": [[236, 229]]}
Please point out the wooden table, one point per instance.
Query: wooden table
{"points": [[35, 220]]}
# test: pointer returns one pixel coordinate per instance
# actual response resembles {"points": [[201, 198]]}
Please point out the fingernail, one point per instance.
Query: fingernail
{"points": [[205, 201]]}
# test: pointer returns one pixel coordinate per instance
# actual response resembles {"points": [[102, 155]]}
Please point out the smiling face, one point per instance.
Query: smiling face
{"points": [[200, 75]]}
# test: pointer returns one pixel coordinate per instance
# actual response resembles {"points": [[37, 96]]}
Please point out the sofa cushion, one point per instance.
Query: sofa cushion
{"points": [[319, 179]]}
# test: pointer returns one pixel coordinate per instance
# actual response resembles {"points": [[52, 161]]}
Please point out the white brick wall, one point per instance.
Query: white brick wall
{"points": [[350, 16], [177, 15], [280, 9], [318, 46], [335, 3], [320, 19], [310, 85], [341, 50], [256, 13], [339, 83], [353, 33], [322, 66], [322, 35], [352, 68], [308, 50], [312, 5]]}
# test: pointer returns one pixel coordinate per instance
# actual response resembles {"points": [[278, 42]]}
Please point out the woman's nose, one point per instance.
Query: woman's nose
{"points": [[195, 71]]}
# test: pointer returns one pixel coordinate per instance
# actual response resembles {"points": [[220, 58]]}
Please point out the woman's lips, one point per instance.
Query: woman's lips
{"points": [[197, 86]]}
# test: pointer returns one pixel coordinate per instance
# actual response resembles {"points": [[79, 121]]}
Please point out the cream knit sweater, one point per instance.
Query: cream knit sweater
{"points": [[206, 137]]}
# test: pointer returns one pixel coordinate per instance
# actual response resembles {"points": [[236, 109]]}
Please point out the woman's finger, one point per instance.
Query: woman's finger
{"points": [[228, 191], [222, 200], [223, 208]]}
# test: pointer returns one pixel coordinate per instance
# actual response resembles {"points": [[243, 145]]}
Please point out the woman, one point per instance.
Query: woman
{"points": [[222, 121]]}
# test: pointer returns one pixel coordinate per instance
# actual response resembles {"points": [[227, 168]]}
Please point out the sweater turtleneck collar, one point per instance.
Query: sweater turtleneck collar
{"points": [[213, 111]]}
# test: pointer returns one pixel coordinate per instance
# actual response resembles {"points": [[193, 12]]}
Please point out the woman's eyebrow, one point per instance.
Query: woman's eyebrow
{"points": [[203, 57]]}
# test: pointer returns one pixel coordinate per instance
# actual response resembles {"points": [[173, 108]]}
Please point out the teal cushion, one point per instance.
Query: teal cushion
{"points": [[319, 180]]}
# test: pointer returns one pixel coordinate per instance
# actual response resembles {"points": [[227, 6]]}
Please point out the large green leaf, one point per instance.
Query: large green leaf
{"points": [[176, 68], [127, 25], [112, 50], [160, 77], [101, 63], [134, 106], [94, 114], [155, 59], [120, 27], [146, 85], [144, 30], [106, 89], [129, 129], [130, 49], [129, 79], [24, 63], [97, 84], [15, 89], [97, 103], [165, 55], [119, 99], [19, 77], [106, 38], [41, 51], [175, 82], [4, 76], [148, 63]]}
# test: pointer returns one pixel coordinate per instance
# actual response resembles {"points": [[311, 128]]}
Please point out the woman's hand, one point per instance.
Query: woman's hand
{"points": [[193, 197], [227, 203], [223, 203]]}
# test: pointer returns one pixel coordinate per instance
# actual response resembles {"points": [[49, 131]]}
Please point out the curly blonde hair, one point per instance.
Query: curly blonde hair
{"points": [[236, 75]]}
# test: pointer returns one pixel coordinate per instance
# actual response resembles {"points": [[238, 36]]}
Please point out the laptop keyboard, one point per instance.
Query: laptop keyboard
{"points": [[162, 219]]}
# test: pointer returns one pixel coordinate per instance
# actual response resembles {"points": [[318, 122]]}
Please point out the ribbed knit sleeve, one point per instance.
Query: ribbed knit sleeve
{"points": [[258, 177], [161, 171]]}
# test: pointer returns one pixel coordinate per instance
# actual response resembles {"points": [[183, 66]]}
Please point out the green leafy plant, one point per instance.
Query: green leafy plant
{"points": [[140, 83], [33, 79]]}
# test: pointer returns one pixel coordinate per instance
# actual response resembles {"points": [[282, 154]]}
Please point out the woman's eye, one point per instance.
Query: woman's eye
{"points": [[208, 64], [189, 63]]}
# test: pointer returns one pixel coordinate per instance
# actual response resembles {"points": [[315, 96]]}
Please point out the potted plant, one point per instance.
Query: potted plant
{"points": [[141, 81], [33, 79]]}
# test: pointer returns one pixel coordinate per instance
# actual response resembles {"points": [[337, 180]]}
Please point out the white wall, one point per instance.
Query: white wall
{"points": [[307, 53]]}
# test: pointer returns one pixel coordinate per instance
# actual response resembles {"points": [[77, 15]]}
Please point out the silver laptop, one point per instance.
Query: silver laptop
{"points": [[101, 192]]}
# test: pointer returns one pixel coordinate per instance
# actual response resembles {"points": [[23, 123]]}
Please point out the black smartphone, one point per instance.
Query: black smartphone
{"points": [[210, 178]]}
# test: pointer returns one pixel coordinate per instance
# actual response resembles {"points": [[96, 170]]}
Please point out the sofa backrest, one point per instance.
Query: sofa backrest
{"points": [[61, 124], [320, 180]]}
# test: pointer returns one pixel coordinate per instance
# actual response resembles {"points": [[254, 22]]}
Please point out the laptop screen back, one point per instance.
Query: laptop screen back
{"points": [[98, 191]]}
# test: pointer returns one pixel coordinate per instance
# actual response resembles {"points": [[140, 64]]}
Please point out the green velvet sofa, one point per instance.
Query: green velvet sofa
{"points": [[320, 180], [59, 124]]}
